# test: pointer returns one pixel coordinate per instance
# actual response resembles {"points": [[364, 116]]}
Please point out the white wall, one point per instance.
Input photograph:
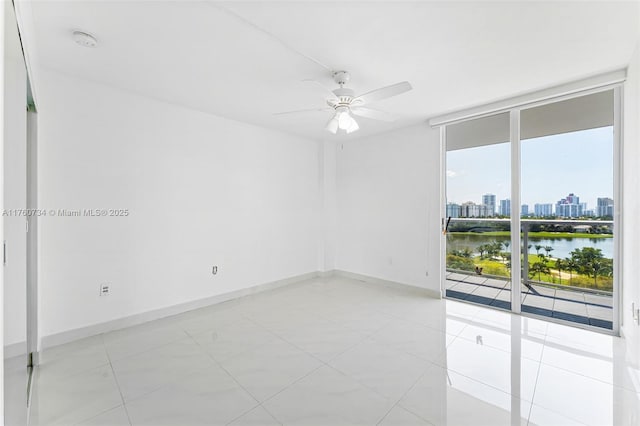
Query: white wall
{"points": [[201, 191], [328, 186], [631, 208], [388, 198]]}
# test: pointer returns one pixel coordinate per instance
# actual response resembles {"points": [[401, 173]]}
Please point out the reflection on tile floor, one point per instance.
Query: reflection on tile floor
{"points": [[336, 351], [595, 309]]}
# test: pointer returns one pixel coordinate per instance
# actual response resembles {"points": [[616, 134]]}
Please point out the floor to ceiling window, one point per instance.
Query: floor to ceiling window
{"points": [[559, 167], [478, 237]]}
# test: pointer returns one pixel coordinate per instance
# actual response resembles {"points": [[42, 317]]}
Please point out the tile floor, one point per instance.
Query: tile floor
{"points": [[337, 351]]}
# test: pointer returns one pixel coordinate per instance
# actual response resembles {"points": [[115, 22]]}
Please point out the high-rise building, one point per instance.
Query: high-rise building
{"points": [[505, 207], [572, 199], [489, 200], [604, 207], [453, 210], [570, 206], [471, 209], [524, 210], [543, 210], [569, 210]]}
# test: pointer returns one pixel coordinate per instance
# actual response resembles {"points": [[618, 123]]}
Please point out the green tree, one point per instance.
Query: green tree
{"points": [[559, 267], [494, 249], [539, 268], [590, 261], [596, 267], [548, 249], [465, 252], [538, 247], [482, 249], [570, 266]]}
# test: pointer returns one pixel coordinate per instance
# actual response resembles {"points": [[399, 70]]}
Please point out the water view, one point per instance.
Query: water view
{"points": [[558, 253], [562, 247]]}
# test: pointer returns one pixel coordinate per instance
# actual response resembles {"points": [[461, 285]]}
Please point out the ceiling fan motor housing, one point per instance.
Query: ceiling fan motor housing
{"points": [[341, 77], [344, 97]]}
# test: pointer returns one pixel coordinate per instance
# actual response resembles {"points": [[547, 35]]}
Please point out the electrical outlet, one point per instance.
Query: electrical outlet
{"points": [[214, 270], [105, 289]]}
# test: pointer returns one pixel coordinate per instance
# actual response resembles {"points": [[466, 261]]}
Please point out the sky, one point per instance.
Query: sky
{"points": [[552, 167]]}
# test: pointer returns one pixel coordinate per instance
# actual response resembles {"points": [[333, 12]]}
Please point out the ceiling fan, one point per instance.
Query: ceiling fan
{"points": [[345, 104]]}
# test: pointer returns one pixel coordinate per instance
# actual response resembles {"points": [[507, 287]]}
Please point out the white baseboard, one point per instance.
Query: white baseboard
{"points": [[15, 349], [393, 284], [117, 324]]}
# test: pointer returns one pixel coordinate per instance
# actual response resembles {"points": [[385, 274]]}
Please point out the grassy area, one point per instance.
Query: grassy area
{"points": [[545, 235], [492, 267], [498, 267], [573, 279]]}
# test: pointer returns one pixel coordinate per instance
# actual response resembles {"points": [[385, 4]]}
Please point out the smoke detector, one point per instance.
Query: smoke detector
{"points": [[84, 39]]}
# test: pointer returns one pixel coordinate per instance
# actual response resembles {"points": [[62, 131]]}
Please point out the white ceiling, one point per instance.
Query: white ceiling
{"points": [[244, 60]]}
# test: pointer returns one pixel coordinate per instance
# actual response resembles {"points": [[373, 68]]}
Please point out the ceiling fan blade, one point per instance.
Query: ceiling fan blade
{"points": [[384, 92], [373, 114], [299, 111], [322, 86]]}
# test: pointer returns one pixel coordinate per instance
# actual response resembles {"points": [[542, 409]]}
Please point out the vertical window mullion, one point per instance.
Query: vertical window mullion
{"points": [[516, 270]]}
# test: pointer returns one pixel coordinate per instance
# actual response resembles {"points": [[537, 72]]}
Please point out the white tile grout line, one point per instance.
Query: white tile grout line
{"points": [[101, 413], [117, 385], [227, 372], [366, 337], [160, 345], [259, 403], [321, 361], [116, 380], [405, 394], [535, 387], [323, 364]]}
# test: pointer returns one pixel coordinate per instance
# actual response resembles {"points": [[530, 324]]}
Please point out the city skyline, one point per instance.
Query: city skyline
{"points": [[569, 206], [577, 162]]}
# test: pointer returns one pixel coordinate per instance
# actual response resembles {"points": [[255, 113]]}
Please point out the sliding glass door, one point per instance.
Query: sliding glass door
{"points": [[557, 162], [478, 237], [567, 183]]}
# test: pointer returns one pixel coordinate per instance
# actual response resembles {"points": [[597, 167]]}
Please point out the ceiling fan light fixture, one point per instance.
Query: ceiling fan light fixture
{"points": [[332, 125], [353, 127], [344, 120]]}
